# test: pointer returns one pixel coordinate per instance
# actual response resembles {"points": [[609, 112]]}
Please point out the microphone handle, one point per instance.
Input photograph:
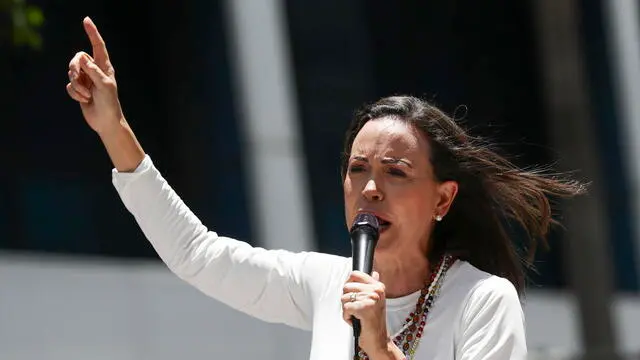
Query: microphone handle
{"points": [[363, 248]]}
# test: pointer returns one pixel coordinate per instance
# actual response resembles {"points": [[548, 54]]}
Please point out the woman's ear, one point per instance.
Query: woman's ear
{"points": [[447, 192]]}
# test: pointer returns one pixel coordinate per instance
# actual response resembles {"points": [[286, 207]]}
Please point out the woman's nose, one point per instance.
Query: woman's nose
{"points": [[372, 191]]}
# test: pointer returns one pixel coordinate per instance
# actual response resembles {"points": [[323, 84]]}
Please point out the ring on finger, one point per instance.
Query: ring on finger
{"points": [[353, 297]]}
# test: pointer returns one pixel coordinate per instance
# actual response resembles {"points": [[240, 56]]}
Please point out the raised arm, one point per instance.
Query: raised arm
{"points": [[276, 286], [272, 285]]}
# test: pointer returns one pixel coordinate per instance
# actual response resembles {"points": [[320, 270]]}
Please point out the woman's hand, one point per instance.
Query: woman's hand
{"points": [[364, 298], [92, 83]]}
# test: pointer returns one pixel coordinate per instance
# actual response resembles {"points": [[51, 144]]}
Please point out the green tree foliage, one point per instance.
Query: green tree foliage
{"points": [[21, 23]]}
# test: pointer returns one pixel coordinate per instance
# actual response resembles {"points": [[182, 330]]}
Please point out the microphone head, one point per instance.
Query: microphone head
{"points": [[366, 221]]}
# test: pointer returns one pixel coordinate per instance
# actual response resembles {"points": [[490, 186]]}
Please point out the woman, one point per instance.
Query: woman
{"points": [[446, 276]]}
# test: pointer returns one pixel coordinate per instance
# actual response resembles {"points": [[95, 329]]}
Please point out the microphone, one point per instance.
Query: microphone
{"points": [[364, 233]]}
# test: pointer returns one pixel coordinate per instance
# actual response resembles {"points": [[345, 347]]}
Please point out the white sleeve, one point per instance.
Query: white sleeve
{"points": [[272, 285], [492, 325]]}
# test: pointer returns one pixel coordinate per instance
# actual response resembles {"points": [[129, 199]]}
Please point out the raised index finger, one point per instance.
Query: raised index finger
{"points": [[100, 54]]}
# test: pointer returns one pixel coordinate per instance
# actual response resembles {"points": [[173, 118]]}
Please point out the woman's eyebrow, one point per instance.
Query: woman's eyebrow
{"points": [[394, 160]]}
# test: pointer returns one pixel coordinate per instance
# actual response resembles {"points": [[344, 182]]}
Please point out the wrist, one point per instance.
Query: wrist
{"points": [[122, 146], [114, 129], [389, 351]]}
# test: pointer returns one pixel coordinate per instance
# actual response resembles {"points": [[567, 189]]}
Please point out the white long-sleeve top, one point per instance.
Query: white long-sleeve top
{"points": [[478, 316]]}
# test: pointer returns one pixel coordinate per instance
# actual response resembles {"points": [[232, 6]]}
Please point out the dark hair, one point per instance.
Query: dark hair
{"points": [[492, 191]]}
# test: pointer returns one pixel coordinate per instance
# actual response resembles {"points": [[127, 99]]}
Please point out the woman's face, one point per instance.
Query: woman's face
{"points": [[389, 174]]}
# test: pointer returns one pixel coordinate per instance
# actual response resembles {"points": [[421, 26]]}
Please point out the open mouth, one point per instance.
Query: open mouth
{"points": [[384, 224]]}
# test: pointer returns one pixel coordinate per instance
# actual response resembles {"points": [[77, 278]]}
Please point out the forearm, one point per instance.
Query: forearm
{"points": [[123, 148]]}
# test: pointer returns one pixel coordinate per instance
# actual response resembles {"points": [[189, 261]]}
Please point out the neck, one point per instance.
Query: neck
{"points": [[402, 274]]}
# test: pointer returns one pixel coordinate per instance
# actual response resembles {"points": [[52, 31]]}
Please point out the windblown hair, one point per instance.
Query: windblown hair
{"points": [[492, 192]]}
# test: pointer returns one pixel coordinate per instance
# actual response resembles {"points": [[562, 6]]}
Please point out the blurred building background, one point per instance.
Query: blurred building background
{"points": [[243, 106]]}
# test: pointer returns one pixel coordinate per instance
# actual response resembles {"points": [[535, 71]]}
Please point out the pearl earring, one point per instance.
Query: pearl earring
{"points": [[438, 217]]}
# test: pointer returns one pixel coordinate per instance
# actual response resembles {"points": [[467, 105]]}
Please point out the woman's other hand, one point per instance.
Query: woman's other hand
{"points": [[364, 298]]}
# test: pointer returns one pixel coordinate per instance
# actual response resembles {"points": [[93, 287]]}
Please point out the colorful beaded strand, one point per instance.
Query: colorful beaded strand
{"points": [[435, 294]]}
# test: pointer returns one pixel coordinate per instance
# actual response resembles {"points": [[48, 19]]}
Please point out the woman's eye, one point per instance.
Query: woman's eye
{"points": [[356, 169], [397, 172]]}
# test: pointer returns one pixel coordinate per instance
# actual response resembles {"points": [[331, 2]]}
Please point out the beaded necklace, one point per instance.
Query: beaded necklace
{"points": [[408, 338]]}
